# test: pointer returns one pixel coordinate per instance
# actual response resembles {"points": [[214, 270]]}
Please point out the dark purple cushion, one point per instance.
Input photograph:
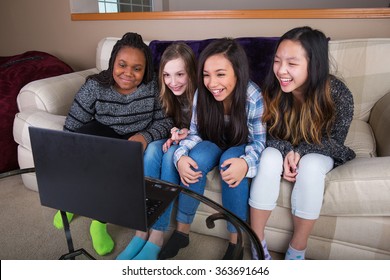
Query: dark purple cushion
{"points": [[259, 50], [15, 72]]}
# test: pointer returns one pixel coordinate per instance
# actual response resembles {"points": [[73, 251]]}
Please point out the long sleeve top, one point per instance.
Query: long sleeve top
{"points": [[332, 146], [256, 137], [138, 112]]}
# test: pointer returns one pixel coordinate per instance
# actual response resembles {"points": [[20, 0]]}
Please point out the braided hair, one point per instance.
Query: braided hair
{"points": [[132, 40]]}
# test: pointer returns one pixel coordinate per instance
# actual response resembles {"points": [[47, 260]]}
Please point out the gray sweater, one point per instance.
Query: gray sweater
{"points": [[138, 112], [334, 146]]}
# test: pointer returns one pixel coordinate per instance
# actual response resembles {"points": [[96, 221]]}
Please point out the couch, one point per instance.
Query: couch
{"points": [[355, 217], [15, 72]]}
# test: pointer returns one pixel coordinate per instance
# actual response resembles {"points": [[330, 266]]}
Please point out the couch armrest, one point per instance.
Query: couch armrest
{"points": [[380, 123], [37, 119], [53, 95]]}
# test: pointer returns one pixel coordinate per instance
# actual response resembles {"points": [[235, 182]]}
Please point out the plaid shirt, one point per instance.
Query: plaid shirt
{"points": [[256, 137]]}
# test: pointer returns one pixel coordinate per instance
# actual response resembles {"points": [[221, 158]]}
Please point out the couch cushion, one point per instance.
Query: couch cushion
{"points": [[103, 52], [213, 182], [379, 122], [364, 64], [360, 187], [361, 139], [334, 237]]}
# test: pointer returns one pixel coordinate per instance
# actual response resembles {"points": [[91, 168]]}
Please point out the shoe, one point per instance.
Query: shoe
{"points": [[229, 253], [177, 241]]}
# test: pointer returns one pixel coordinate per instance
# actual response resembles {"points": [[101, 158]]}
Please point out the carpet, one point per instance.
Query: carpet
{"points": [[27, 233]]}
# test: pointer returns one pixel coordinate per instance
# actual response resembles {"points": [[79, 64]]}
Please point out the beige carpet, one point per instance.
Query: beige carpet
{"points": [[27, 233]]}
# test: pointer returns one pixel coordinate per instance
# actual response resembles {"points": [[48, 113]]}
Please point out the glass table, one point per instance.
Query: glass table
{"points": [[221, 214]]}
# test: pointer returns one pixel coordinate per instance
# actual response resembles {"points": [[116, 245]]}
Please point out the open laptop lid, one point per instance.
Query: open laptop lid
{"points": [[97, 177]]}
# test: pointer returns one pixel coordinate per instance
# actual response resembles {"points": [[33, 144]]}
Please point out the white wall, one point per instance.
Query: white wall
{"points": [[188, 5], [45, 25]]}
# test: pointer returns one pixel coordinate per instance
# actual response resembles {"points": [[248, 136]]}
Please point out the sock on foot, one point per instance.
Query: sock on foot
{"points": [[229, 252], [132, 249], [57, 221], [149, 252], [267, 255], [101, 240], [293, 254], [177, 241]]}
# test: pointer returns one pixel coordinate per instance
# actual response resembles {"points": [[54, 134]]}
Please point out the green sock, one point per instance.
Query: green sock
{"points": [[57, 221], [101, 240]]}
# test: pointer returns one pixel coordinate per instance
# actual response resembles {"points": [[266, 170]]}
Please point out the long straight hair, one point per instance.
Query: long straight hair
{"points": [[172, 104], [309, 122], [210, 112]]}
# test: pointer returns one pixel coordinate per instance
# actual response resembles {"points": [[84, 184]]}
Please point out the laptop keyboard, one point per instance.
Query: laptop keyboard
{"points": [[152, 205]]}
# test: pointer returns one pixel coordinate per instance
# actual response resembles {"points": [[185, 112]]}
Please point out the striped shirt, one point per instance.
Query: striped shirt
{"points": [[138, 112]]}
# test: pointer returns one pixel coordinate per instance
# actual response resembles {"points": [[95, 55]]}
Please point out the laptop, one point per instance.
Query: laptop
{"points": [[97, 177]]}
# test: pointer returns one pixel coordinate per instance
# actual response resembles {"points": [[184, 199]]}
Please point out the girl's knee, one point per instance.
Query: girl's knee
{"points": [[271, 161], [315, 164]]}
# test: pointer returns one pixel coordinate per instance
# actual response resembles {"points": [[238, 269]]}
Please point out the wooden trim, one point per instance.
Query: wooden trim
{"points": [[355, 13]]}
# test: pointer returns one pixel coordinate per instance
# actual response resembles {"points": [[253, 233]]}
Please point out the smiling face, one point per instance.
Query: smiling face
{"points": [[129, 69], [219, 78], [291, 67], [175, 76]]}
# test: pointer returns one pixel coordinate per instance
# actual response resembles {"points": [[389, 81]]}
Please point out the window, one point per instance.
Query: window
{"points": [[113, 6]]}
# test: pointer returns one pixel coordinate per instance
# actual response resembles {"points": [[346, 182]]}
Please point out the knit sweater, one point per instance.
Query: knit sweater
{"points": [[138, 112], [334, 145]]}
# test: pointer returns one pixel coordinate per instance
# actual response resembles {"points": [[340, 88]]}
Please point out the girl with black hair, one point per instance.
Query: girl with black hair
{"points": [[120, 102], [308, 113], [226, 131]]}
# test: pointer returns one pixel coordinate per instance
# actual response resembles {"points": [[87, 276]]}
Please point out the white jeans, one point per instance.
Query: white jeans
{"points": [[308, 190]]}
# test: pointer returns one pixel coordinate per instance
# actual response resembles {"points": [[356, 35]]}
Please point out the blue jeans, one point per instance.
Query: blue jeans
{"points": [[159, 165], [208, 155]]}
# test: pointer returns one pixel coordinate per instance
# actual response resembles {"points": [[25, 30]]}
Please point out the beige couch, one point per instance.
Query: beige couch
{"points": [[355, 218]]}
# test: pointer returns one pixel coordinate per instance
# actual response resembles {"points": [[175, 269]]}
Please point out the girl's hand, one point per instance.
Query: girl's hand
{"points": [[290, 166], [186, 167], [166, 145], [139, 138], [178, 134], [233, 171]]}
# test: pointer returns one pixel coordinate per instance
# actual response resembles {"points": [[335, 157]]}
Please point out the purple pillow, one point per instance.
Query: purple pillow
{"points": [[260, 51]]}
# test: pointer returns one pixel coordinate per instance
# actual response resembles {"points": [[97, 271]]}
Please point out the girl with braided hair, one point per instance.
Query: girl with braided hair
{"points": [[120, 102]]}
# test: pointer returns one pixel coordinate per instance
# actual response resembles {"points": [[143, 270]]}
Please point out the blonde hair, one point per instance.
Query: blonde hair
{"points": [[171, 103]]}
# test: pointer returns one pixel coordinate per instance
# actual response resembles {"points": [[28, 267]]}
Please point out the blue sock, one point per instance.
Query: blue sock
{"points": [[267, 255], [132, 249], [149, 252], [293, 254]]}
